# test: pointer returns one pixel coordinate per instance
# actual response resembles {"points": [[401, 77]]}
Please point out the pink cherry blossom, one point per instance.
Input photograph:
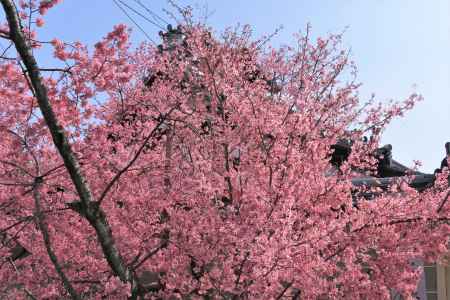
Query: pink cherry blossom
{"points": [[201, 171]]}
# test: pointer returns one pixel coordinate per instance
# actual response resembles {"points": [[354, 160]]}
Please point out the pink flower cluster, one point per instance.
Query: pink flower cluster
{"points": [[211, 160], [45, 5]]}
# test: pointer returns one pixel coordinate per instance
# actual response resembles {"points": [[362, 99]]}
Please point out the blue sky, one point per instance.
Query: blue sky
{"points": [[395, 43]]}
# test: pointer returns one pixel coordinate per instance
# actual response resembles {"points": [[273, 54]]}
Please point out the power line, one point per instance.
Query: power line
{"points": [[155, 15], [141, 15], [134, 22]]}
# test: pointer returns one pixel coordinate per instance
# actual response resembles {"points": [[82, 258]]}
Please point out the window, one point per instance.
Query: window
{"points": [[431, 289]]}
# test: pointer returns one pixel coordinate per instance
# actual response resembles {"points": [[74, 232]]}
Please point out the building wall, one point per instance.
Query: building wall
{"points": [[435, 283]]}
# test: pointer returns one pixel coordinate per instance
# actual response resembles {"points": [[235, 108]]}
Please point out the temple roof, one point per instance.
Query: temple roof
{"points": [[389, 170]]}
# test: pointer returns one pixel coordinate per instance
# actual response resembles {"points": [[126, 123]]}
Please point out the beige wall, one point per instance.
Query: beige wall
{"points": [[443, 282], [437, 282]]}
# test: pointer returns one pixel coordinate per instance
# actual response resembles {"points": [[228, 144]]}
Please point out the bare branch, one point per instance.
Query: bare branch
{"points": [[65, 70]]}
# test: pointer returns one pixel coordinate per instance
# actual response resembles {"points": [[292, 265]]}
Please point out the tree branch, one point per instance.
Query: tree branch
{"points": [[13, 164], [66, 70], [56, 130], [47, 242], [286, 287], [94, 215], [441, 206], [136, 156], [149, 255]]}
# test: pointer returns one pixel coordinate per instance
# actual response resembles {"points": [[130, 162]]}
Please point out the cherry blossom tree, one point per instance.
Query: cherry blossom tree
{"points": [[198, 170]]}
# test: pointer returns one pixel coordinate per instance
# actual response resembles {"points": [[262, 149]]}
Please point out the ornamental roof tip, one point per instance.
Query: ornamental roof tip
{"points": [[389, 171]]}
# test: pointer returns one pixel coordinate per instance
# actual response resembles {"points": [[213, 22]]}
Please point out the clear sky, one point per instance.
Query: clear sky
{"points": [[395, 43]]}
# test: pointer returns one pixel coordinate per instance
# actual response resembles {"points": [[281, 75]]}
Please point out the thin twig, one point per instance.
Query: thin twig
{"points": [[149, 255], [136, 156], [441, 206]]}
